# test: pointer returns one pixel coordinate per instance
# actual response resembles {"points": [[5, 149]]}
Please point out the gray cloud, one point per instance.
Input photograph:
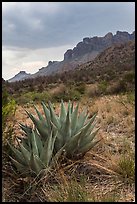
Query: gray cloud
{"points": [[35, 32], [51, 24]]}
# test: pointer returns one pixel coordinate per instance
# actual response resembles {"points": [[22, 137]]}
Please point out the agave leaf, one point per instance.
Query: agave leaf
{"points": [[73, 143], [74, 119], [63, 112], [88, 146], [41, 128], [25, 152], [18, 155], [57, 156], [88, 133], [64, 133], [54, 135], [35, 164], [54, 118], [66, 130], [34, 144], [21, 168], [93, 117], [72, 106], [88, 138], [39, 142], [58, 142], [46, 152], [39, 114], [85, 128], [41, 118], [53, 142], [25, 143], [47, 114], [25, 128], [81, 121], [69, 107]]}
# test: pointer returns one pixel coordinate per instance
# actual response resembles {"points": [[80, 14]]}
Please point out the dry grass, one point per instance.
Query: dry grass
{"points": [[102, 167]]}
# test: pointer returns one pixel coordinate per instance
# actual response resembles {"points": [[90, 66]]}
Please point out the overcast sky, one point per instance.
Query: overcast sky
{"points": [[34, 33]]}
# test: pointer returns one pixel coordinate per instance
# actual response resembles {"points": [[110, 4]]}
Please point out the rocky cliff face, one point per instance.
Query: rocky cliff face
{"points": [[99, 44], [85, 51]]}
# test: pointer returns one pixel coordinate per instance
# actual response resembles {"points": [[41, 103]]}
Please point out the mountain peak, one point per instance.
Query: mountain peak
{"points": [[20, 76]]}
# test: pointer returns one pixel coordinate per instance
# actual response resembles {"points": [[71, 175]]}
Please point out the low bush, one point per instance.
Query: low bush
{"points": [[102, 86], [33, 96], [8, 111]]}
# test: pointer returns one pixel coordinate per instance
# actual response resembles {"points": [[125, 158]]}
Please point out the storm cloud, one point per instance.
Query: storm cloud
{"points": [[51, 24], [37, 26]]}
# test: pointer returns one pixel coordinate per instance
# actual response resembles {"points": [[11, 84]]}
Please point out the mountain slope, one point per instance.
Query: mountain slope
{"points": [[85, 51], [110, 63], [20, 76]]}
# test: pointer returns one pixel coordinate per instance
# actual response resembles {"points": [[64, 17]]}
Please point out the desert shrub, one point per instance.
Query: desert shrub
{"points": [[118, 87], [33, 96], [129, 77], [73, 94], [102, 86], [131, 97], [8, 111], [93, 91], [81, 87], [125, 84], [68, 93]]}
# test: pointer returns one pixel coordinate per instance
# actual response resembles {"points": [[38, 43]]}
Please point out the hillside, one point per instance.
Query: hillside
{"points": [[114, 60], [20, 76]]}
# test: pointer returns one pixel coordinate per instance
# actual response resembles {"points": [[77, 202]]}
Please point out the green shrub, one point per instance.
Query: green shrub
{"points": [[81, 87], [33, 96], [129, 77], [69, 93], [8, 111], [102, 86], [131, 97], [74, 95]]}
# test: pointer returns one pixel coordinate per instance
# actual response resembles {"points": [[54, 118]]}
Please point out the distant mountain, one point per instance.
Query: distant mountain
{"points": [[20, 76], [85, 51], [117, 58]]}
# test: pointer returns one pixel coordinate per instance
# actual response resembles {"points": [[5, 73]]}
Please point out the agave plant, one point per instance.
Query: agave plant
{"points": [[33, 155], [67, 132]]}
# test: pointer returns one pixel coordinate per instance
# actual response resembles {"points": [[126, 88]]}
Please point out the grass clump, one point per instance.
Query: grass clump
{"points": [[126, 167], [69, 190]]}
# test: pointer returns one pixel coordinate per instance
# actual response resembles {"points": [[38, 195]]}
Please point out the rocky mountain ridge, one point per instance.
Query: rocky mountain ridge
{"points": [[85, 51], [89, 45]]}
